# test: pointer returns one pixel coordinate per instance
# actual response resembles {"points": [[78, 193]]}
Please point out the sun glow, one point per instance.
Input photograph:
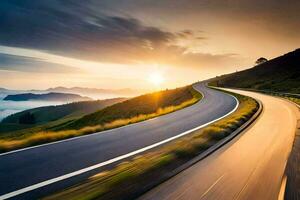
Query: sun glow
{"points": [[156, 78]]}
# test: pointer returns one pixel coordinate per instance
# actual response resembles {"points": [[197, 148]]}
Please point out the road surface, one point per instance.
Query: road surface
{"points": [[35, 172], [249, 167]]}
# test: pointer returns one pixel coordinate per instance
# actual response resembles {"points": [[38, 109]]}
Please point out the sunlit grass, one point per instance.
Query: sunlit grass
{"points": [[131, 178], [41, 137], [293, 99]]}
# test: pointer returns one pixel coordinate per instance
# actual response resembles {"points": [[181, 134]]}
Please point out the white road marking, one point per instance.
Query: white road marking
{"points": [[282, 188], [213, 185], [81, 171], [82, 136]]}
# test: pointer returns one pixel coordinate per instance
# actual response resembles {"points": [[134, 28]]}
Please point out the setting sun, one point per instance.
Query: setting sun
{"points": [[114, 95], [156, 78]]}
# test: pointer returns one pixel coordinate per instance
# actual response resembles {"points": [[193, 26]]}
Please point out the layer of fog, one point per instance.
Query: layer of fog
{"points": [[10, 107]]}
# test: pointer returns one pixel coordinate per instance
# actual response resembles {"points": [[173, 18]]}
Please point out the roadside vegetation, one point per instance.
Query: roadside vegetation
{"points": [[296, 100], [42, 118], [291, 97], [132, 178], [138, 109], [281, 74], [51, 113], [127, 112]]}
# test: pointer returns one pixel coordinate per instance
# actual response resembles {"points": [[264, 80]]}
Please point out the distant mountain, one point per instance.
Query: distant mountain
{"points": [[46, 114], [61, 97], [98, 93], [93, 90], [90, 92], [3, 90], [281, 74]]}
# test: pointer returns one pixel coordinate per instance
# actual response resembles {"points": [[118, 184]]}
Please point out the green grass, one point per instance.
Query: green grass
{"points": [[281, 74], [296, 100], [48, 115], [131, 178], [142, 105], [131, 111], [289, 97]]}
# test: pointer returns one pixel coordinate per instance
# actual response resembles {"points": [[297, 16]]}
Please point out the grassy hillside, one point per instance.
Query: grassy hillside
{"points": [[132, 178], [51, 113], [120, 114], [54, 114], [281, 74], [142, 105]]}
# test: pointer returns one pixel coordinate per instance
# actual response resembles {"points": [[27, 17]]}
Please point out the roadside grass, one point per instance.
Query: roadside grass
{"points": [[48, 116], [132, 178], [149, 106], [293, 99], [10, 142], [281, 74]]}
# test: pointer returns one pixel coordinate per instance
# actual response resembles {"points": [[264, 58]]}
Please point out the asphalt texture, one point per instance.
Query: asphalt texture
{"points": [[251, 166], [32, 166]]}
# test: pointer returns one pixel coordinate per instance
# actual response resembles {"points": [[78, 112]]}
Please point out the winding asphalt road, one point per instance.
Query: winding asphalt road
{"points": [[249, 167], [34, 172]]}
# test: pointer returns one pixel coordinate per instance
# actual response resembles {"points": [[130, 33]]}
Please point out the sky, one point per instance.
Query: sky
{"points": [[122, 44]]}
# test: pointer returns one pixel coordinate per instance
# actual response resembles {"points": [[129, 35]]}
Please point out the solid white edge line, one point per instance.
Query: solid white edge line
{"points": [[88, 135], [81, 171]]}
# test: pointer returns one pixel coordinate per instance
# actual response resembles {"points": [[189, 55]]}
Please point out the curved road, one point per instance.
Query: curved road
{"points": [[23, 173], [249, 167]]}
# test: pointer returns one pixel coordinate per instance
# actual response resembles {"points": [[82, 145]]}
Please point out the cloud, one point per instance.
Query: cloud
{"points": [[179, 57], [209, 61], [30, 64], [274, 20], [76, 29], [73, 28]]}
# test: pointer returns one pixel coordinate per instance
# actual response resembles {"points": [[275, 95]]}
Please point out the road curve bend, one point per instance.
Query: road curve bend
{"points": [[34, 172], [249, 167]]}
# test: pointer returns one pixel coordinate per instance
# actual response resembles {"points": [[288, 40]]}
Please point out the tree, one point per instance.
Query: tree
{"points": [[260, 60]]}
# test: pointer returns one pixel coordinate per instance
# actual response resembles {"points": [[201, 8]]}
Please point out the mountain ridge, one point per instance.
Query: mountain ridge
{"points": [[95, 93], [52, 96]]}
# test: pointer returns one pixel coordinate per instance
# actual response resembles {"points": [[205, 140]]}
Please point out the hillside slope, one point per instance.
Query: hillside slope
{"points": [[141, 105], [281, 74], [52, 96], [53, 114], [127, 112]]}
